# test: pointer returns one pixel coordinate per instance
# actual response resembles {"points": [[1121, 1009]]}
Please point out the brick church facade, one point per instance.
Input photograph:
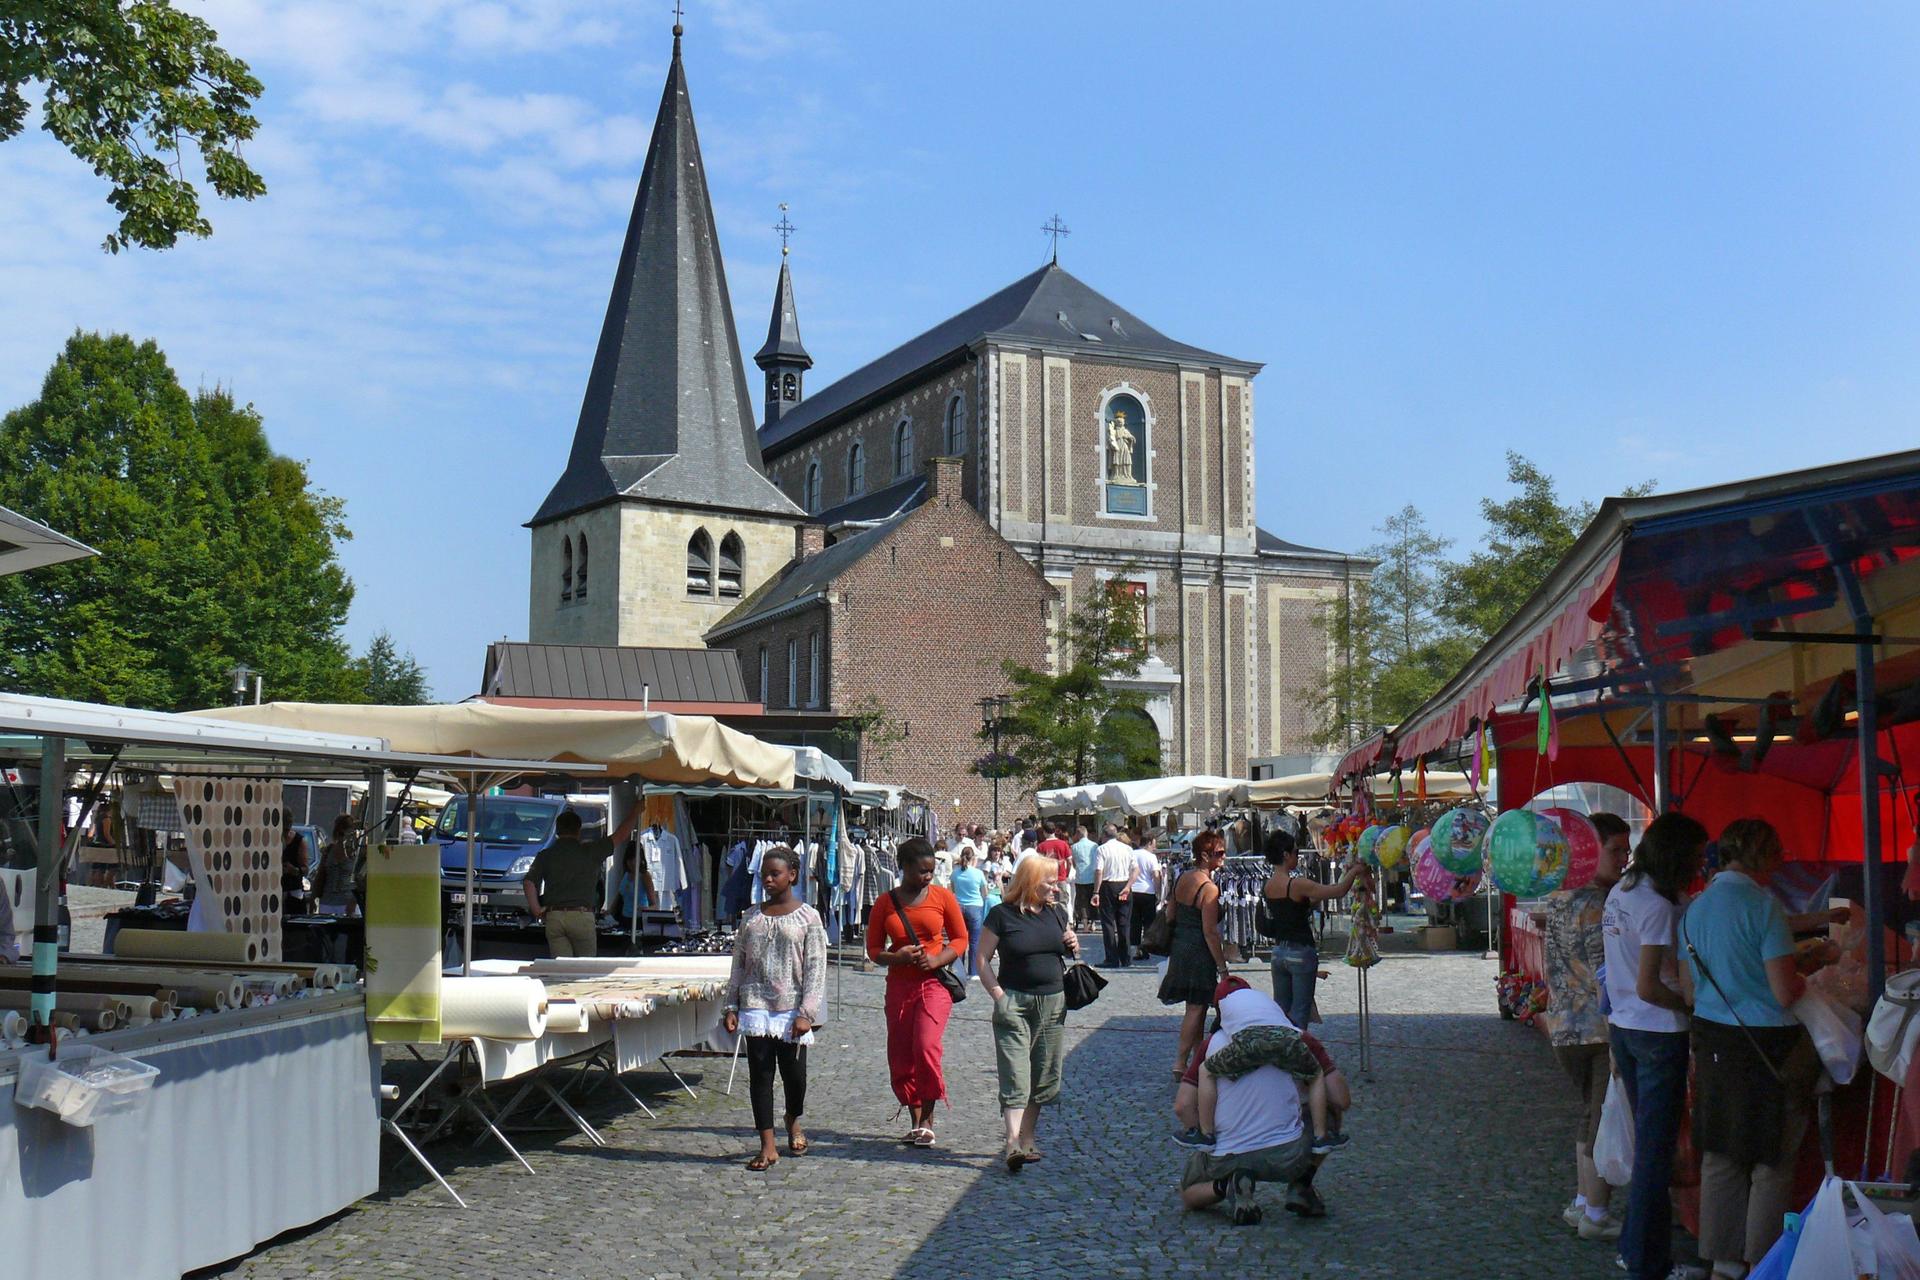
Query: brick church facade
{"points": [[892, 537]]}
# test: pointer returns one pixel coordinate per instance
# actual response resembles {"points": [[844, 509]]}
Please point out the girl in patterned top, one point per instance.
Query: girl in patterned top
{"points": [[774, 998]]}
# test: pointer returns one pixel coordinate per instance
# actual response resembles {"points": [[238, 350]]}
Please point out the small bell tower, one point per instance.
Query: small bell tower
{"points": [[782, 356]]}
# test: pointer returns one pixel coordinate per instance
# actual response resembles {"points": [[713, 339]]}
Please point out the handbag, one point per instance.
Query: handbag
{"points": [[1893, 1033], [1082, 985], [956, 986]]}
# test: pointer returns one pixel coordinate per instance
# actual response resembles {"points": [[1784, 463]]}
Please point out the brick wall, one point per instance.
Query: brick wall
{"points": [[923, 404]]}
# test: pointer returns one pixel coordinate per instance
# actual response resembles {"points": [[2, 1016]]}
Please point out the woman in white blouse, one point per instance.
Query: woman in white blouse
{"points": [[774, 998]]}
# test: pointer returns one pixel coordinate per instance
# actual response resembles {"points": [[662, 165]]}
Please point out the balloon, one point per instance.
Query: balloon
{"points": [[1434, 881], [1583, 845], [1456, 840], [1528, 853], [1392, 846], [1369, 844]]}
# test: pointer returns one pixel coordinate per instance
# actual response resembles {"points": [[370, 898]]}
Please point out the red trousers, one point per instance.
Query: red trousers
{"points": [[917, 1011]]}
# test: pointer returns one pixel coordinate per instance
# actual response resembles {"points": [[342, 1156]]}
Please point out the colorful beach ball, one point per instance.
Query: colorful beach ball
{"points": [[1456, 840], [1369, 845], [1528, 853], [1391, 849], [1583, 845], [1435, 881]]}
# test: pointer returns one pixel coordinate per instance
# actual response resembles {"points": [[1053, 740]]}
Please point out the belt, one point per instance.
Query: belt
{"points": [[552, 910]]}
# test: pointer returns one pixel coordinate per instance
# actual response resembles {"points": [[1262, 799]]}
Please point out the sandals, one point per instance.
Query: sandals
{"points": [[1016, 1160], [1034, 1155], [922, 1137], [797, 1146], [760, 1164]]}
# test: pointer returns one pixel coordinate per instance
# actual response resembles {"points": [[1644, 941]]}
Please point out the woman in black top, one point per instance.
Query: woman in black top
{"points": [[1029, 936], [1288, 902], [294, 861]]}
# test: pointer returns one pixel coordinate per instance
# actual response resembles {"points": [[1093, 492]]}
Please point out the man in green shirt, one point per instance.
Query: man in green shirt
{"points": [[563, 884]]}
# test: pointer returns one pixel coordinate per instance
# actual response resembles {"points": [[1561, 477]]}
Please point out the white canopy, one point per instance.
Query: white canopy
{"points": [[815, 765], [874, 795], [1068, 799], [1144, 796], [1312, 788], [28, 544]]}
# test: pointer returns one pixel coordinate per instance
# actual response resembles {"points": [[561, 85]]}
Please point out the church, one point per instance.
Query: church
{"points": [[888, 540]]}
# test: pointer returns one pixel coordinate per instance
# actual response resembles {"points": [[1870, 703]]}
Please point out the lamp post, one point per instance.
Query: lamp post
{"points": [[993, 711]]}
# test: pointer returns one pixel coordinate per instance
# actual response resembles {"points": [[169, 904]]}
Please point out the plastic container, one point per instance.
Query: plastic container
{"points": [[83, 1084]]}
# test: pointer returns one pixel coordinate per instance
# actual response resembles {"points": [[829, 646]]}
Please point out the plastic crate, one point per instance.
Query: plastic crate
{"points": [[83, 1084]]}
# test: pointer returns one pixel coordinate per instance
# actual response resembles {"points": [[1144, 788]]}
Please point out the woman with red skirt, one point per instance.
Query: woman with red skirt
{"points": [[917, 1001]]}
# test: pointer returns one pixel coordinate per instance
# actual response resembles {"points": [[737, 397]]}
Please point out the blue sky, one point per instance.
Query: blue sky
{"points": [[1669, 242]]}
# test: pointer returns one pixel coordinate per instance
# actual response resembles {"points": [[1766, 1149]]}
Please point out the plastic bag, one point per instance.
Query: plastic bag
{"points": [[1613, 1148], [1835, 1030], [1838, 1241], [1778, 1264]]}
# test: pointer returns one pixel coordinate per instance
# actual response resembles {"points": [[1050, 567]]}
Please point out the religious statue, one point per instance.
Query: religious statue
{"points": [[1120, 451]]}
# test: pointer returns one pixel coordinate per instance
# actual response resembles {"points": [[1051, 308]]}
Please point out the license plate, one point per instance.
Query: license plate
{"points": [[479, 899]]}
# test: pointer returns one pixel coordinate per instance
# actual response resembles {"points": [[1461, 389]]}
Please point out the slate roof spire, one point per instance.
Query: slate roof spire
{"points": [[782, 356], [666, 416]]}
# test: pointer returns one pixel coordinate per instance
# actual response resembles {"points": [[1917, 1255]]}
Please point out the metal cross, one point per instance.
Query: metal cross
{"points": [[677, 13], [1056, 229], [785, 228]]}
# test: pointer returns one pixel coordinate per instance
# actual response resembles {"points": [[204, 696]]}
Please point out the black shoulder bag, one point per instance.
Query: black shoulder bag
{"points": [[955, 984], [1765, 1058], [1080, 984]]}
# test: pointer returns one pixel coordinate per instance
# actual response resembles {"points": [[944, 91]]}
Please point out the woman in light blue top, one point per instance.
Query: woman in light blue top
{"points": [[970, 891]]}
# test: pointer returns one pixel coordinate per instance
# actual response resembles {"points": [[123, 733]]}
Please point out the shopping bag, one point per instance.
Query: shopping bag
{"points": [[1842, 1234], [1613, 1148], [1896, 1250], [1835, 1030], [1779, 1260]]}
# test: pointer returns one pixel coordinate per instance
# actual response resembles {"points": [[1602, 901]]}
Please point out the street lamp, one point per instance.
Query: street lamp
{"points": [[993, 712]]}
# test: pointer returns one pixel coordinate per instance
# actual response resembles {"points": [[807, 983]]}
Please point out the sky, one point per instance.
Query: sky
{"points": [[1664, 242]]}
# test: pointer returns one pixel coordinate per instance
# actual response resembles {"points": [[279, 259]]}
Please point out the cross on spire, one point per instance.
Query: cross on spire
{"points": [[1056, 228], [678, 29], [784, 227]]}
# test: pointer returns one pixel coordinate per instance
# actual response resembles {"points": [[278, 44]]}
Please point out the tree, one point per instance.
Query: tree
{"points": [[129, 86], [214, 550], [388, 677], [1527, 535], [878, 732], [1073, 726]]}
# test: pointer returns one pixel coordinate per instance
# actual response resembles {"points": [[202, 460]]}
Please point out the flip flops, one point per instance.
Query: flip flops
{"points": [[760, 1164]]}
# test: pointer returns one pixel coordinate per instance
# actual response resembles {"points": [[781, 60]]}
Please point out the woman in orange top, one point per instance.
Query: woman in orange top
{"points": [[917, 1003]]}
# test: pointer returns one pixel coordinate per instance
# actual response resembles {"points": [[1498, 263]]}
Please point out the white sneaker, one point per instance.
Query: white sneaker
{"points": [[1574, 1214], [1606, 1229]]}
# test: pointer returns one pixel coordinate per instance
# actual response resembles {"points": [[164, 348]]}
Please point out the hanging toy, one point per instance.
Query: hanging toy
{"points": [[1456, 840], [1528, 853], [1583, 845], [1390, 850]]}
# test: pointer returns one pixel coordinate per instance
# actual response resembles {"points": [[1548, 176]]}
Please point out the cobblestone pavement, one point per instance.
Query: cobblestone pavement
{"points": [[1459, 1164]]}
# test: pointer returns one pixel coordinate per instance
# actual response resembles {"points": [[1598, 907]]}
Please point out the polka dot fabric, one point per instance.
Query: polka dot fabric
{"points": [[233, 829]]}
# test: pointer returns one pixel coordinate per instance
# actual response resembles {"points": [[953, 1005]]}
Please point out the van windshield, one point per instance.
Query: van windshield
{"points": [[502, 821]]}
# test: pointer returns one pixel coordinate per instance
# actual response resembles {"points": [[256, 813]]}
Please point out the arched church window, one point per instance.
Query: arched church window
{"points": [[902, 448], [956, 428], [789, 387], [856, 470], [700, 564], [580, 570], [566, 569], [1123, 454], [733, 555], [810, 491]]}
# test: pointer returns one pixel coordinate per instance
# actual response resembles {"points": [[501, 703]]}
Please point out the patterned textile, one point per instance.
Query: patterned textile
{"points": [[1265, 1046], [1574, 950], [780, 963]]}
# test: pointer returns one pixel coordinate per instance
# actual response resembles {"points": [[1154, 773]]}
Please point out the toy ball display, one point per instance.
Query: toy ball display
{"points": [[1391, 848], [1370, 845], [1435, 882], [1456, 840], [1583, 845], [1528, 853]]}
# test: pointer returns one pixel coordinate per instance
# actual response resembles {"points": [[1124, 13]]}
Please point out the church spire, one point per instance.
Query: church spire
{"points": [[782, 356], [666, 415]]}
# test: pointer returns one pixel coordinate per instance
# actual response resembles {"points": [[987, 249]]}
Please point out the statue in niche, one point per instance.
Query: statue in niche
{"points": [[1120, 445]]}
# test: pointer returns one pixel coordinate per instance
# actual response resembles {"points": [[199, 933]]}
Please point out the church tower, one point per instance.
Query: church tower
{"points": [[663, 519], [782, 357]]}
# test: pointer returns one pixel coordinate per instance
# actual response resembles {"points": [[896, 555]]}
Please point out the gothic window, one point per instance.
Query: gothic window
{"points": [[580, 571], [764, 691], [813, 668], [566, 569], [793, 673], [810, 491], [789, 387], [733, 556], [700, 564], [1124, 455], [856, 470], [902, 448], [956, 428]]}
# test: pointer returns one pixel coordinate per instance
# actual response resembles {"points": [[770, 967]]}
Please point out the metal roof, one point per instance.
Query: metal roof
{"points": [[896, 499], [666, 415], [1271, 544], [28, 544], [1049, 308], [613, 673]]}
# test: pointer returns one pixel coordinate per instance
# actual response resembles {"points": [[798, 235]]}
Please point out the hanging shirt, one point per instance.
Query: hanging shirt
{"points": [[661, 849]]}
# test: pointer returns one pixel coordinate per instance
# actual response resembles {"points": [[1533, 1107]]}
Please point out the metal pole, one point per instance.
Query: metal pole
{"points": [[46, 885], [1869, 754], [1662, 778], [996, 772], [473, 825]]}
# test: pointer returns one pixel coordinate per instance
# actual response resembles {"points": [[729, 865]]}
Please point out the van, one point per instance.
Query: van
{"points": [[512, 831]]}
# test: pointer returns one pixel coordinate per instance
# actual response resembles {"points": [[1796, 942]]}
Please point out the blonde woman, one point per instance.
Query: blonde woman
{"points": [[1024, 947]]}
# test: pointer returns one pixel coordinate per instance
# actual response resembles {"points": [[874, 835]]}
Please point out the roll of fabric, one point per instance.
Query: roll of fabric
{"points": [[173, 944], [493, 1008], [403, 944], [566, 1017], [13, 1024]]}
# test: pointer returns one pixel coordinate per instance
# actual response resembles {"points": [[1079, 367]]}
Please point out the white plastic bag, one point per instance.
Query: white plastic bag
{"points": [[1613, 1148], [1844, 1237], [1835, 1030], [1893, 1030]]}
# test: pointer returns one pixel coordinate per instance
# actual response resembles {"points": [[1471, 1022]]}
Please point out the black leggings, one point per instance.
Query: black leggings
{"points": [[764, 1053]]}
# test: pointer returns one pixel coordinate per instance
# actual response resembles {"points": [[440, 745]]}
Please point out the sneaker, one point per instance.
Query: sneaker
{"points": [[1305, 1201], [1607, 1228], [1687, 1271], [1574, 1214], [1240, 1203], [1330, 1143], [1194, 1139]]}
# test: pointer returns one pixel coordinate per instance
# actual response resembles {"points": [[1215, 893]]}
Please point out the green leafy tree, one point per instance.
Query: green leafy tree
{"points": [[878, 732], [1074, 726], [214, 550], [130, 87], [389, 677], [1527, 535]]}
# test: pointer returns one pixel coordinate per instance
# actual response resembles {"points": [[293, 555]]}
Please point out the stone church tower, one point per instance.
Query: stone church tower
{"points": [[666, 471]]}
